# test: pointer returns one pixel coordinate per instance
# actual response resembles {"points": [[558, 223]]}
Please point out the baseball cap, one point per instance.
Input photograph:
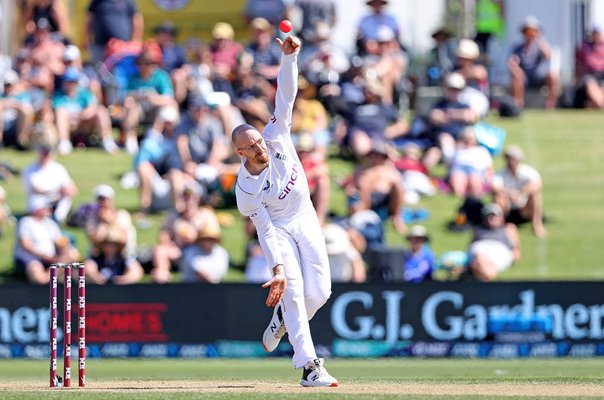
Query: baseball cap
{"points": [[168, 114], [223, 30], [197, 102], [72, 53], [71, 74], [105, 191], [260, 24], [384, 34], [492, 209], [455, 80], [36, 203], [514, 152]]}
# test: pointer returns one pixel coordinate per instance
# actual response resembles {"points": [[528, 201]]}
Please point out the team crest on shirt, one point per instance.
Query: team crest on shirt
{"points": [[281, 156], [267, 186]]}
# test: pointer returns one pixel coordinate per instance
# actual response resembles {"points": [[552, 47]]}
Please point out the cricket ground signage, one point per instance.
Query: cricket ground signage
{"points": [[430, 320]]}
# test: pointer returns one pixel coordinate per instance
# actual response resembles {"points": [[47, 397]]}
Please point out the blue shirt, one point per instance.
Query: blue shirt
{"points": [[158, 82], [419, 266]]}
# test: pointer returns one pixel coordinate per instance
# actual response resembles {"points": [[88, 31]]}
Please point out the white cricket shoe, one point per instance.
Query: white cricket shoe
{"points": [[275, 329], [315, 375]]}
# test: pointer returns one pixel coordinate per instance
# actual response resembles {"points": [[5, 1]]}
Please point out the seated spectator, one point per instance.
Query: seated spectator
{"points": [[205, 260], [46, 50], [378, 187], [173, 58], [106, 217], [373, 120], [370, 24], [265, 52], [476, 91], [448, 117], [200, 143], [158, 164], [590, 69], [225, 51], [40, 243], [178, 231], [315, 12], [495, 245], [78, 110], [529, 64], [110, 264], [89, 77], [49, 179], [442, 57], [345, 262], [200, 71], [317, 174], [518, 190], [148, 91], [256, 267], [471, 168], [252, 92], [310, 116], [16, 112], [321, 61], [419, 259], [416, 177]]}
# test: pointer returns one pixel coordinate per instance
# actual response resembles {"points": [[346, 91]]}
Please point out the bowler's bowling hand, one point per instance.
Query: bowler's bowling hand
{"points": [[277, 286], [290, 46]]}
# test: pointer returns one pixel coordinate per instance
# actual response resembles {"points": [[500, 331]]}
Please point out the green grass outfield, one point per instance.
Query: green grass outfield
{"points": [[276, 379], [567, 146]]}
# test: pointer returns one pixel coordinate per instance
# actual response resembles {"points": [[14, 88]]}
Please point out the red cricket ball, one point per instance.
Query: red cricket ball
{"points": [[285, 26]]}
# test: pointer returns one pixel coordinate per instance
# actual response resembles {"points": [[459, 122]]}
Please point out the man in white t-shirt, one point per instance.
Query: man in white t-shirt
{"points": [[272, 190], [517, 189], [50, 180]]}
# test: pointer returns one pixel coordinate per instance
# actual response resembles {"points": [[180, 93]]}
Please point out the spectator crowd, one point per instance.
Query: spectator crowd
{"points": [[172, 108]]}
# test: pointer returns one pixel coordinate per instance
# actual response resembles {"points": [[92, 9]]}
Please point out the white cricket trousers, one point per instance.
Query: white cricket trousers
{"points": [[306, 268]]}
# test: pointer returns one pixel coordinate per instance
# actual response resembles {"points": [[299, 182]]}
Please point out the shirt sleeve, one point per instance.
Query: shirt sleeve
{"points": [[267, 235], [287, 86]]}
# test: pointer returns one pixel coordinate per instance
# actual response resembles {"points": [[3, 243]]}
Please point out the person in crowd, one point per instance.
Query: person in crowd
{"points": [[317, 174], [315, 12], [110, 264], [40, 243], [529, 64], [180, 230], [46, 51], [420, 262], [174, 59], [345, 262], [48, 179], [490, 22], [373, 120], [252, 92], [225, 50], [114, 226], [205, 260], [448, 118], [442, 57], [271, 192], [16, 112], [416, 177], [590, 69], [200, 141], [471, 168], [370, 24], [378, 186], [148, 91], [476, 91], [321, 61], [310, 116], [53, 11], [200, 78], [495, 245], [265, 52], [78, 110], [517, 189], [107, 20], [158, 164], [89, 77]]}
